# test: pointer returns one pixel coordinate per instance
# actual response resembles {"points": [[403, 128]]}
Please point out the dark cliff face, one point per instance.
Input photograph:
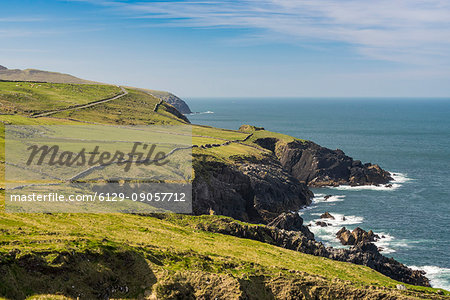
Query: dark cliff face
{"points": [[319, 166], [175, 101], [255, 192], [174, 111], [260, 191], [179, 104], [170, 98]]}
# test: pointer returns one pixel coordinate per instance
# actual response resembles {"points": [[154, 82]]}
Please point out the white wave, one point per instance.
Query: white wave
{"points": [[399, 177], [384, 243], [439, 277], [340, 219], [334, 198], [398, 180], [201, 112], [328, 233], [301, 211]]}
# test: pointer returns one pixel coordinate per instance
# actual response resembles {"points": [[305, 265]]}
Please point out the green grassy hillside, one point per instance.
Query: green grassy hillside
{"points": [[146, 254], [124, 256], [30, 97]]}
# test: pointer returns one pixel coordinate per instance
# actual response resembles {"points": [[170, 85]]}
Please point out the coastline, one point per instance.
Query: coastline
{"points": [[412, 212], [438, 276]]}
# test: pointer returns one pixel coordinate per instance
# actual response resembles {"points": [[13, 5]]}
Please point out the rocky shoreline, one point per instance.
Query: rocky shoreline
{"points": [[287, 231], [267, 191]]}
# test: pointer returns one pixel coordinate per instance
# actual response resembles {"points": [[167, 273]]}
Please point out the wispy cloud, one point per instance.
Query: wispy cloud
{"points": [[21, 20], [411, 31]]}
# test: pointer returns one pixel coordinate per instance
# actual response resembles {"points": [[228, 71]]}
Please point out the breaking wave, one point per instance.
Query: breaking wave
{"points": [[201, 112], [398, 180], [439, 277]]}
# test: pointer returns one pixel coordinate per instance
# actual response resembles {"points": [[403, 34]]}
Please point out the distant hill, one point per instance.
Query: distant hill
{"points": [[39, 75], [55, 77]]}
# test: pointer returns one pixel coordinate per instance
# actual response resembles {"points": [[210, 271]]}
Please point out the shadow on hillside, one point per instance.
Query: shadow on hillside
{"points": [[97, 273]]}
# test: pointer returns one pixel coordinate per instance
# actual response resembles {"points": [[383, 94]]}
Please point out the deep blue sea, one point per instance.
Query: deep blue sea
{"points": [[410, 138]]}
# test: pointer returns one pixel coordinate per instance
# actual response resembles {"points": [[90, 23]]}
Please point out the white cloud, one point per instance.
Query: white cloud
{"points": [[410, 31]]}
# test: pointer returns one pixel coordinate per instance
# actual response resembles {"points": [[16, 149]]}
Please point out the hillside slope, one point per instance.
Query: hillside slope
{"points": [[128, 256]]}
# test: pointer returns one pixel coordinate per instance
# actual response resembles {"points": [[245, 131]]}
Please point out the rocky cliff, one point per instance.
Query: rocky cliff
{"points": [[170, 98], [176, 102], [249, 191], [319, 166]]}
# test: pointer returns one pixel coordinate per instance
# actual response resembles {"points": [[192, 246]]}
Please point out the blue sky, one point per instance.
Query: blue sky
{"points": [[253, 48]]}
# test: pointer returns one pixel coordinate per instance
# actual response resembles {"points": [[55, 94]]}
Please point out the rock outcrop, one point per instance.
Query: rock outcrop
{"points": [[174, 111], [322, 224], [170, 98], [179, 104], [254, 192], [3, 68], [356, 237], [367, 254], [291, 222], [319, 166]]}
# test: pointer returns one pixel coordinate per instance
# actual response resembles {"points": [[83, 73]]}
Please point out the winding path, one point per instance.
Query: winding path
{"points": [[76, 107]]}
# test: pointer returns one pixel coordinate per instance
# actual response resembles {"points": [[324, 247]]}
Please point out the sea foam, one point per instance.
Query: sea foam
{"points": [[398, 180], [439, 277], [328, 233], [201, 112], [334, 198]]}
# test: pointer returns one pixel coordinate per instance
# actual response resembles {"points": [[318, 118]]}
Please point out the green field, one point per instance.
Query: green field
{"points": [[30, 97]]}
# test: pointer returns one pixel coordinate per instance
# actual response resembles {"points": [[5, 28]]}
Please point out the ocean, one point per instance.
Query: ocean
{"points": [[408, 137]]}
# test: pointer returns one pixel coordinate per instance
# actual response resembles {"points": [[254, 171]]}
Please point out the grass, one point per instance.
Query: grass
{"points": [[224, 134], [136, 108], [176, 240], [29, 97]]}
